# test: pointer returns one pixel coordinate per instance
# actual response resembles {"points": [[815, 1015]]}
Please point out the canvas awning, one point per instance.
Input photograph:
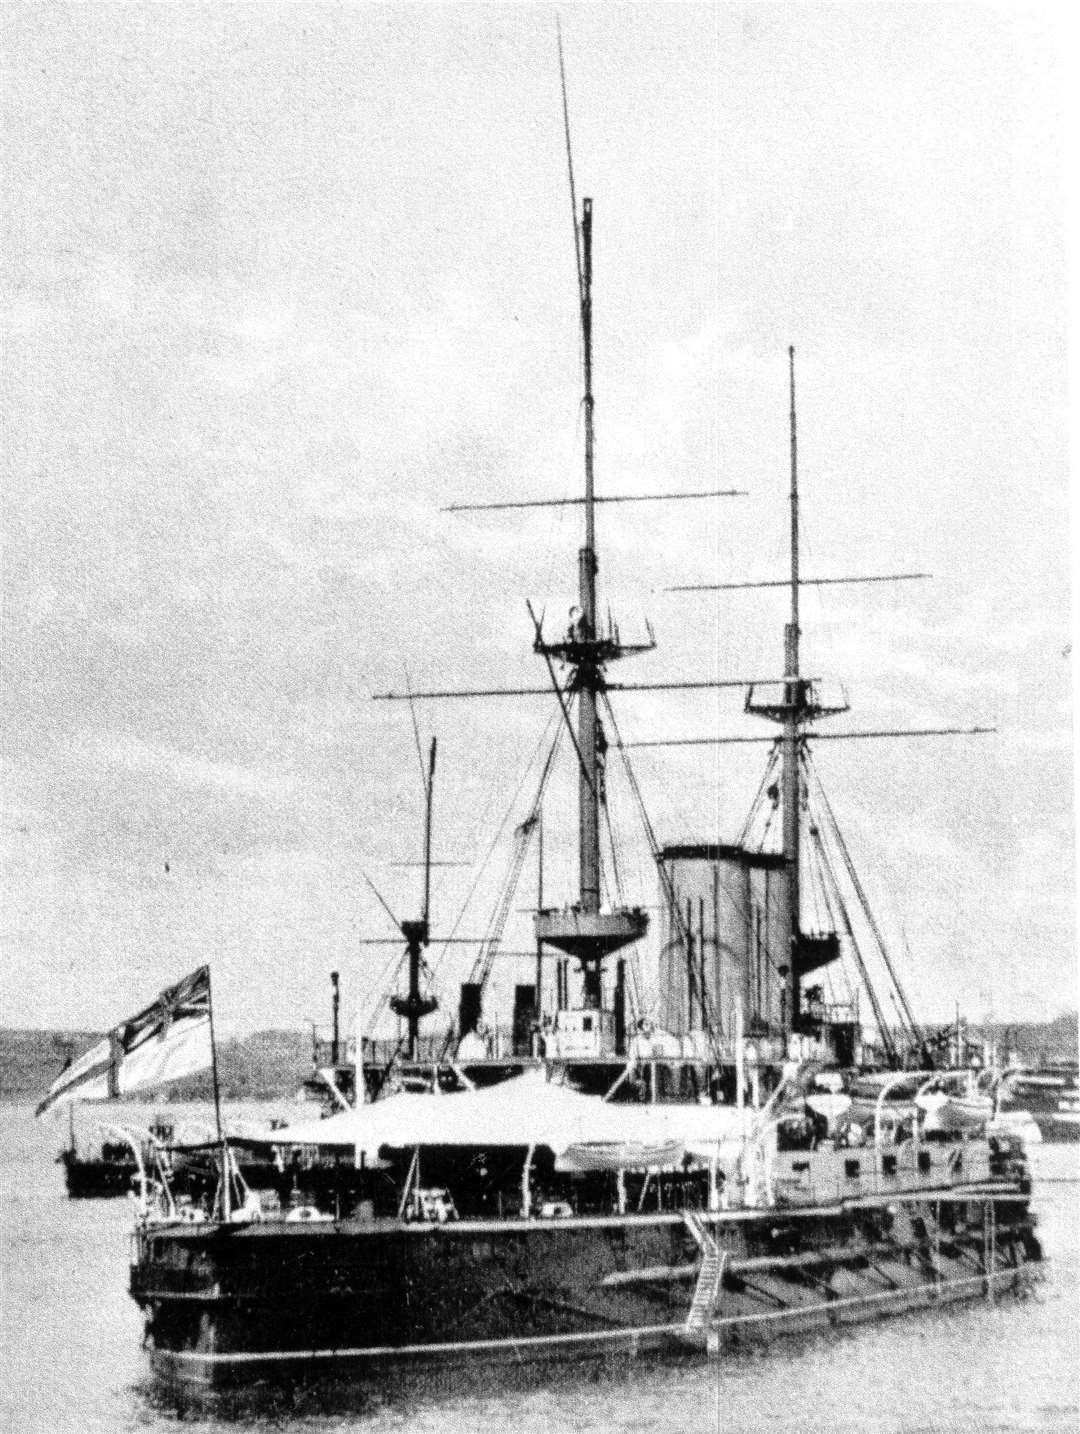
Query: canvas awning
{"points": [[522, 1111]]}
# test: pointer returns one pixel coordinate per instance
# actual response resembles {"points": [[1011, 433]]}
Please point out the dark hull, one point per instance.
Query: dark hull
{"points": [[105, 1178], [227, 1307], [1058, 1129], [1051, 1098], [96, 1179]]}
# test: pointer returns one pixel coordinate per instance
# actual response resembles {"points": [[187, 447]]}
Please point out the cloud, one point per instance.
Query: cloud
{"points": [[184, 769], [282, 285]]}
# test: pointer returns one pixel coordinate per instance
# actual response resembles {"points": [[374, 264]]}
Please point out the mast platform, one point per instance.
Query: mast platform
{"points": [[591, 935]]}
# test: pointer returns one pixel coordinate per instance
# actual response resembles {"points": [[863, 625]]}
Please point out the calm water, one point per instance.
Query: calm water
{"points": [[71, 1357]]}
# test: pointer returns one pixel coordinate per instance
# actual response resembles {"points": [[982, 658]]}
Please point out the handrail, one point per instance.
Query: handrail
{"points": [[897, 1078], [754, 1141], [128, 1137]]}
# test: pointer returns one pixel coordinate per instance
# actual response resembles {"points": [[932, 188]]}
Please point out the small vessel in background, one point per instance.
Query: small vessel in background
{"points": [[1050, 1094], [108, 1166]]}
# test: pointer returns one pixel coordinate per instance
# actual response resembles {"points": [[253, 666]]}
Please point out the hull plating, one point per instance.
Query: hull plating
{"points": [[230, 1306]]}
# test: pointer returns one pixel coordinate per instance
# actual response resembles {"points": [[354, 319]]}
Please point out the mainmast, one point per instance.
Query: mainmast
{"points": [[794, 697], [583, 930], [588, 673]]}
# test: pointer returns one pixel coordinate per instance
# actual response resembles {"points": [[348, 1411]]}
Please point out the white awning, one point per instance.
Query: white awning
{"points": [[522, 1111]]}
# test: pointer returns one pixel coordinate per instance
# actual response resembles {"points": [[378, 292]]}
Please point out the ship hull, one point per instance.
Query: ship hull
{"points": [[1052, 1099], [1056, 1127], [228, 1307], [88, 1179]]}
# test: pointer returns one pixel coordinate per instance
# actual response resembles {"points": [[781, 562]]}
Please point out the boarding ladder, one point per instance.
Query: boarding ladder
{"points": [[710, 1277]]}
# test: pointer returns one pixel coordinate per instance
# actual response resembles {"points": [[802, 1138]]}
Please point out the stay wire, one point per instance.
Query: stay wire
{"points": [[709, 1022], [845, 921], [501, 828], [864, 902]]}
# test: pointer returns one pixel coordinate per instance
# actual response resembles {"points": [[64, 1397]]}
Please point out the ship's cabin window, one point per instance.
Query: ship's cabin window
{"points": [[888, 1165], [852, 1169], [924, 1161], [586, 1023]]}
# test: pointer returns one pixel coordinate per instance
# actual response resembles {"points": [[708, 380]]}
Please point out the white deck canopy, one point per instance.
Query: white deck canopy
{"points": [[522, 1111]]}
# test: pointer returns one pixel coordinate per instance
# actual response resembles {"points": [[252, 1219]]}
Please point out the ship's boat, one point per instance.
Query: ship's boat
{"points": [[943, 1102], [722, 1168], [1049, 1094]]}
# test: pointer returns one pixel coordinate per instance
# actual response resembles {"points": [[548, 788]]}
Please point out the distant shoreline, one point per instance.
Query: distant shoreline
{"points": [[272, 1064], [268, 1065]]}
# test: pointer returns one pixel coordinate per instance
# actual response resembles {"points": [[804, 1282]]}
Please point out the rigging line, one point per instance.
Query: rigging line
{"points": [[861, 894], [564, 708], [766, 830], [390, 1063], [803, 583], [429, 789], [815, 888], [569, 159], [845, 921], [770, 766], [522, 840], [616, 874], [905, 732], [741, 907], [416, 730], [676, 804], [619, 856], [570, 162], [617, 847], [517, 855], [388, 990], [381, 900], [610, 498], [386, 980], [709, 1023], [819, 736], [849, 931], [498, 834], [482, 966], [811, 768], [698, 684]]}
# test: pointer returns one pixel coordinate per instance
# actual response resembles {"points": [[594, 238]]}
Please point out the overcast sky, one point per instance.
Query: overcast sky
{"points": [[279, 282]]}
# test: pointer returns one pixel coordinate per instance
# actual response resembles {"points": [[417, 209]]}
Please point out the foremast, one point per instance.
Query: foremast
{"points": [[583, 930]]}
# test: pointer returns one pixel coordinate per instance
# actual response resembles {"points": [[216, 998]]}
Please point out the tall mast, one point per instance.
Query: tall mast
{"points": [[794, 703], [588, 674], [416, 1005], [797, 707], [584, 930]]}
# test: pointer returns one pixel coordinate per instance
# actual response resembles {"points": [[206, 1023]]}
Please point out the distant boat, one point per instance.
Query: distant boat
{"points": [[102, 1173], [1051, 1094]]}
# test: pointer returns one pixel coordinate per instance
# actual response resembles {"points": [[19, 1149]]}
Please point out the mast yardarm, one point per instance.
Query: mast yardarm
{"points": [[798, 707], [584, 931]]}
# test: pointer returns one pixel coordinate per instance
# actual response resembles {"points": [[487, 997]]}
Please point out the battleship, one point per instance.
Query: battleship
{"points": [[742, 1165]]}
